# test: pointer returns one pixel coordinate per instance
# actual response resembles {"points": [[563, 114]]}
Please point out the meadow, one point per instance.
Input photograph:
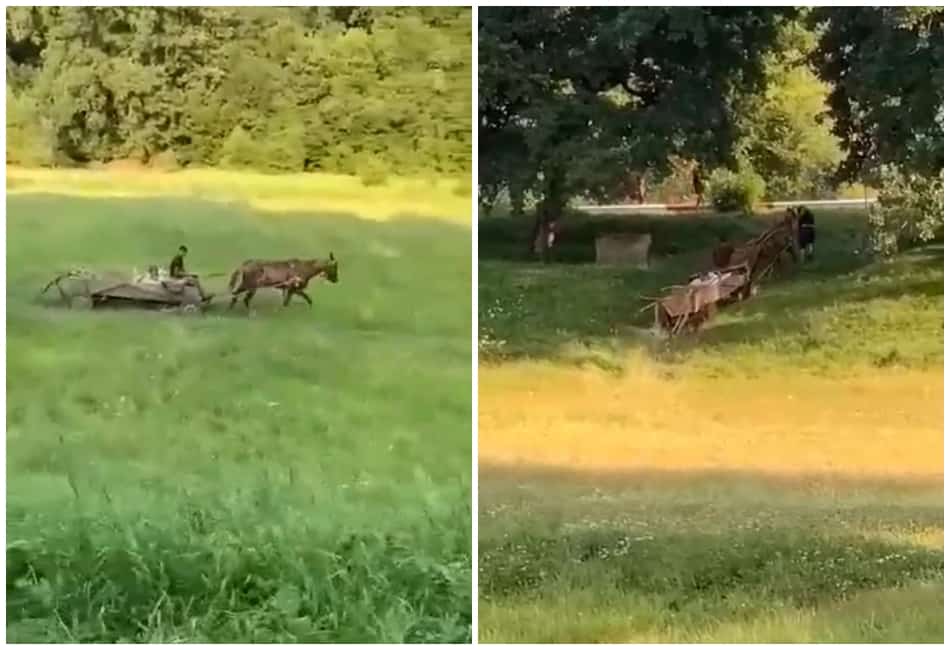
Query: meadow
{"points": [[776, 477], [290, 475]]}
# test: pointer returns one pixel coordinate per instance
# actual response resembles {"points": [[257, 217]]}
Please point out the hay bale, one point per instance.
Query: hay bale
{"points": [[624, 250]]}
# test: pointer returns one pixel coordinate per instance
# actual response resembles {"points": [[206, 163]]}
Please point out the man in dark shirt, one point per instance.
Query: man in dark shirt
{"points": [[699, 185], [177, 267], [177, 270], [806, 231]]}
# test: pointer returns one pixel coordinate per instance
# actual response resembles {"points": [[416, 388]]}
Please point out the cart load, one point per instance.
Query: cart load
{"points": [[150, 290], [690, 305]]}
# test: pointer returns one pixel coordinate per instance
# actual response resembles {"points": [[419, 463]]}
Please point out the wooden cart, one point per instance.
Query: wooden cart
{"points": [[688, 306]]}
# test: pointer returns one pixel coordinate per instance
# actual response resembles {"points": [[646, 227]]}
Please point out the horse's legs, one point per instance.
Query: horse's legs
{"points": [[66, 297], [234, 297], [287, 294], [300, 293], [247, 298]]}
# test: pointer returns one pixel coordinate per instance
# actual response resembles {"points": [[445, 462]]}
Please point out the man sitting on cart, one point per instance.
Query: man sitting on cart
{"points": [[176, 269]]}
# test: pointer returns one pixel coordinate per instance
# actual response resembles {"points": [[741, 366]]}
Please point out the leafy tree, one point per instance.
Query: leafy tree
{"points": [[909, 210], [787, 135], [319, 88], [572, 99], [885, 65]]}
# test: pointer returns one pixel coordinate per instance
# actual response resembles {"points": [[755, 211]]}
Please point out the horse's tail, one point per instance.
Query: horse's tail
{"points": [[52, 282], [66, 274]]}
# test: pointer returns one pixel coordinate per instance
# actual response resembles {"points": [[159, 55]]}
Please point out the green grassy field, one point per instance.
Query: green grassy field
{"points": [[777, 477], [299, 475]]}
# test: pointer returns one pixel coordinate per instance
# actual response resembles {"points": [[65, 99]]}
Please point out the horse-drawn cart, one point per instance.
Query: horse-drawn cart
{"points": [[148, 291], [690, 305]]}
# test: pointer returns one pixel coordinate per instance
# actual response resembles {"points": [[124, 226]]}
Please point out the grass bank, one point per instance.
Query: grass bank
{"points": [[278, 477]]}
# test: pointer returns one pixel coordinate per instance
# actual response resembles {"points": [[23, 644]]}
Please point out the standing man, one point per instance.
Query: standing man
{"points": [[806, 231], [699, 185]]}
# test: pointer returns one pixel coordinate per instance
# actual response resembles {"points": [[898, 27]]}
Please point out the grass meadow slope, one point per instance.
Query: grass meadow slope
{"points": [[777, 477], [299, 475]]}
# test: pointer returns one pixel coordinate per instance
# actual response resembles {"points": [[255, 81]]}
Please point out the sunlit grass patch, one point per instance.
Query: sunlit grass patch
{"points": [[447, 198]]}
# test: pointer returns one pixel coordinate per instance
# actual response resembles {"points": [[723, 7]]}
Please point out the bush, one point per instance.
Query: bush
{"points": [[283, 148], [909, 211], [31, 142], [373, 172], [676, 185], [736, 191], [463, 187], [239, 150], [854, 191], [165, 161]]}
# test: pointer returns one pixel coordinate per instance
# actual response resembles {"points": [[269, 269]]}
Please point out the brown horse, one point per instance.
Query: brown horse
{"points": [[290, 276]]}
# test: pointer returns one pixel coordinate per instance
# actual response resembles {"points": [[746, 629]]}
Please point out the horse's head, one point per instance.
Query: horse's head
{"points": [[327, 268]]}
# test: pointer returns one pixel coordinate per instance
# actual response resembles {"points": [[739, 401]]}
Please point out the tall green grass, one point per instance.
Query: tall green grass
{"points": [[292, 475]]}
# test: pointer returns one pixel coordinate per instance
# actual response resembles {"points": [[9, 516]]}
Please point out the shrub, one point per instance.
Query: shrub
{"points": [[373, 172], [31, 141], [909, 211], [676, 185], [165, 161], [239, 150], [736, 191], [463, 187]]}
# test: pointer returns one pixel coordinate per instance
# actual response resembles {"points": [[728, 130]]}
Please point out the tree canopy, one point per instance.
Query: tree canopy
{"points": [[885, 67], [337, 89], [574, 99]]}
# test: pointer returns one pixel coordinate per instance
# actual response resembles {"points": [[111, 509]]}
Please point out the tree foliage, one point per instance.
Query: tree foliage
{"points": [[885, 65], [281, 89], [787, 135], [909, 210], [573, 98]]}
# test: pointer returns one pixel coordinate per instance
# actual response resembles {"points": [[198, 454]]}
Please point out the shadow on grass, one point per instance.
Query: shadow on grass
{"points": [[149, 230], [699, 548], [507, 239], [536, 311], [512, 475]]}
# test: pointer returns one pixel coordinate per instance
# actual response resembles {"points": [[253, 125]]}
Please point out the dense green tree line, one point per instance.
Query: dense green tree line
{"points": [[337, 89]]}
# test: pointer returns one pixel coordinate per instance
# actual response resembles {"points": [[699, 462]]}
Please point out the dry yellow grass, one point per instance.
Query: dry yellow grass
{"points": [[889, 424], [444, 198]]}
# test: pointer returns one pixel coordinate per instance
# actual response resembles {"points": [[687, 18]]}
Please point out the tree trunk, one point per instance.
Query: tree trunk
{"points": [[551, 207]]}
